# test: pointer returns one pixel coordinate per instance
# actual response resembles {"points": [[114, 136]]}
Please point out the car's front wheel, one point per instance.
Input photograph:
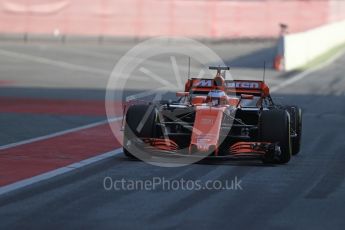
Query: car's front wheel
{"points": [[275, 128], [139, 123]]}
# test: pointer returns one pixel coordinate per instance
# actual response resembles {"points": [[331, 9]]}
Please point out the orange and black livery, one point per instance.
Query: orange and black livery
{"points": [[217, 118]]}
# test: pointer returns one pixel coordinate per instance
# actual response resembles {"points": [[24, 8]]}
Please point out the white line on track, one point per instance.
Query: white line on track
{"points": [[61, 64], [52, 62], [28, 141], [57, 172]]}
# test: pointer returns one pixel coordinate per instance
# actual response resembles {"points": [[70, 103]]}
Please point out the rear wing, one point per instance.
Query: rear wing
{"points": [[238, 87]]}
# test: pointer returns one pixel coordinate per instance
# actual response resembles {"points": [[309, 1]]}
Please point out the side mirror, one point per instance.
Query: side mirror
{"points": [[182, 94], [247, 96]]}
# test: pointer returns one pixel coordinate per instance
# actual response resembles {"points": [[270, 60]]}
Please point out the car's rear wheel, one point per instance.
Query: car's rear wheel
{"points": [[296, 142], [296, 125], [140, 123], [275, 128]]}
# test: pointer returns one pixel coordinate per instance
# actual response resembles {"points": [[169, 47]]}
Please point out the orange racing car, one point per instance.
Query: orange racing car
{"points": [[216, 118]]}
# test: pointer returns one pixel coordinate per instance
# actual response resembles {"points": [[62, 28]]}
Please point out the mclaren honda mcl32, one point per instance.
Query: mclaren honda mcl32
{"points": [[216, 118]]}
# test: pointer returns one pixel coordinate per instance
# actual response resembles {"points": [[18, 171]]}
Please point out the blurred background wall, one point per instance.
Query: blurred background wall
{"points": [[215, 19]]}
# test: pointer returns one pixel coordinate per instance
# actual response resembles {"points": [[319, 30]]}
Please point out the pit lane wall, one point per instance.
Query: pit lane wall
{"points": [[210, 19], [302, 48]]}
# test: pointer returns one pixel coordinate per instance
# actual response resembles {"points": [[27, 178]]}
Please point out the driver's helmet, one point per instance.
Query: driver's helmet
{"points": [[216, 97]]}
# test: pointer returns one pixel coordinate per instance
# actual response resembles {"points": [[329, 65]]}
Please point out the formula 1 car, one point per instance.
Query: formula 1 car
{"points": [[216, 118]]}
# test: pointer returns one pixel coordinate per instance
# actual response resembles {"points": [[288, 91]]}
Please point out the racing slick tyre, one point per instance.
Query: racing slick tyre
{"points": [[275, 128], [140, 123], [296, 125]]}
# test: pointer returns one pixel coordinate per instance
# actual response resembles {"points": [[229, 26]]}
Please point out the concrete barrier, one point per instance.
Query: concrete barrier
{"points": [[302, 48]]}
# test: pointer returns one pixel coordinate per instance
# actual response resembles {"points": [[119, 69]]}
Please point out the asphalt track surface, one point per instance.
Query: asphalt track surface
{"points": [[308, 192]]}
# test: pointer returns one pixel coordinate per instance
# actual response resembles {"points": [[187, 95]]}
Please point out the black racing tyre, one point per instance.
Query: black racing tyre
{"points": [[296, 142], [274, 127], [139, 123], [296, 124]]}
